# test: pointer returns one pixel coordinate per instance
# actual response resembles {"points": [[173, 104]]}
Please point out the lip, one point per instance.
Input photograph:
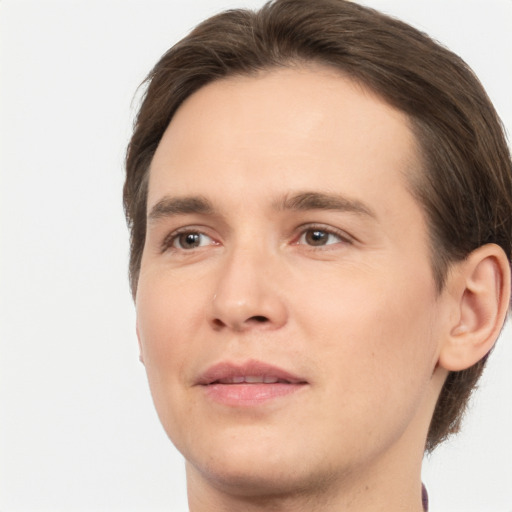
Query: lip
{"points": [[221, 383]]}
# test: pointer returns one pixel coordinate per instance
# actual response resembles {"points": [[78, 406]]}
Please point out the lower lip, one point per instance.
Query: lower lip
{"points": [[240, 395]]}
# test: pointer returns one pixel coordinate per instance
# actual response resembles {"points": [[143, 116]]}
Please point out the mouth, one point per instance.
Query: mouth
{"points": [[251, 379], [248, 384]]}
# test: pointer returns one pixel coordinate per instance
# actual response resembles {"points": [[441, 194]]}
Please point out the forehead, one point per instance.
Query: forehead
{"points": [[283, 128]]}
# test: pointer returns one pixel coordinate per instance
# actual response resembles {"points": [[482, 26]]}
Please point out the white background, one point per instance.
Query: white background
{"points": [[77, 427]]}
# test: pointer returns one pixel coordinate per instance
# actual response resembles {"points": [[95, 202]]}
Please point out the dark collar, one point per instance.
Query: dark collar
{"points": [[424, 497]]}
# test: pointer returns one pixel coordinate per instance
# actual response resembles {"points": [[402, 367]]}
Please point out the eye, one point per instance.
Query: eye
{"points": [[189, 240], [319, 237]]}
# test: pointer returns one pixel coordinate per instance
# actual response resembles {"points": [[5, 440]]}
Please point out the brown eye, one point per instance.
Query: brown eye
{"points": [[319, 237], [191, 240]]}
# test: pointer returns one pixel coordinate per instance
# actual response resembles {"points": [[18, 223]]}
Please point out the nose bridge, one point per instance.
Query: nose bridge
{"points": [[246, 291]]}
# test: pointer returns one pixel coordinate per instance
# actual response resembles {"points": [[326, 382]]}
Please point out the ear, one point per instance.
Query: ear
{"points": [[480, 286], [141, 358]]}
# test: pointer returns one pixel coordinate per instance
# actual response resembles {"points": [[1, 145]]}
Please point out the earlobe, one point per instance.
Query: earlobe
{"points": [[482, 294]]}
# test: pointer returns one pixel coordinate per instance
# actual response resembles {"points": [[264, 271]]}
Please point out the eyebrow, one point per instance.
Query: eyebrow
{"points": [[303, 201], [170, 206]]}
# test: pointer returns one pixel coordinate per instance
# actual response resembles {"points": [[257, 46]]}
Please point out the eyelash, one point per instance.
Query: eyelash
{"points": [[172, 238], [329, 231]]}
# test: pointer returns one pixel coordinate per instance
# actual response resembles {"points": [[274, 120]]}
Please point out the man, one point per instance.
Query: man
{"points": [[321, 215]]}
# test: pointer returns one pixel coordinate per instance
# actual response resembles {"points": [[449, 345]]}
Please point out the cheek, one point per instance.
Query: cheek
{"points": [[374, 330], [376, 359], [164, 319], [166, 311]]}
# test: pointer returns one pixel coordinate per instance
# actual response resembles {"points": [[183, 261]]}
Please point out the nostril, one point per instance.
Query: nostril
{"points": [[218, 323], [259, 318]]}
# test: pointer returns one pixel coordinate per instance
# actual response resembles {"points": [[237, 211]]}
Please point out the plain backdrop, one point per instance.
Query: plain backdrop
{"points": [[77, 427]]}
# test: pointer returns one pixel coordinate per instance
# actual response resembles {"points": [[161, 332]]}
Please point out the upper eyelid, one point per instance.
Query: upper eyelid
{"points": [[327, 231], [344, 235], [170, 237], [176, 237]]}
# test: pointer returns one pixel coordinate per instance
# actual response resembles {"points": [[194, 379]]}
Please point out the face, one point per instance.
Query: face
{"points": [[286, 307]]}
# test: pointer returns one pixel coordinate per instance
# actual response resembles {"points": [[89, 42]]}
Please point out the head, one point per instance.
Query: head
{"points": [[461, 179]]}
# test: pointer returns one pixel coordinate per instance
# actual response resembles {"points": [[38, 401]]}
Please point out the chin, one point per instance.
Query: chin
{"points": [[253, 479], [257, 466]]}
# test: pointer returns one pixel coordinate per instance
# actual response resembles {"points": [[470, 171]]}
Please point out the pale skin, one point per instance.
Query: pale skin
{"points": [[281, 229]]}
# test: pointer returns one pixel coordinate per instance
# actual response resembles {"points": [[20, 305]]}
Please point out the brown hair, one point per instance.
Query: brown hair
{"points": [[466, 184]]}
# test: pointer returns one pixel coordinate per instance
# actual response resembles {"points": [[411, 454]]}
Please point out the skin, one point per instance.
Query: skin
{"points": [[358, 318]]}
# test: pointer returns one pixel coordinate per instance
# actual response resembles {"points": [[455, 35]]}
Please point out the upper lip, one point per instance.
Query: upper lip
{"points": [[227, 371]]}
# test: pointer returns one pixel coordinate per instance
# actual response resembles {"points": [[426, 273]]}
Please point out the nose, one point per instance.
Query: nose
{"points": [[247, 294]]}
